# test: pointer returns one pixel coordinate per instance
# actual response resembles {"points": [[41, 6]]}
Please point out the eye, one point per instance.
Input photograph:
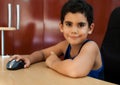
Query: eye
{"points": [[69, 24], [81, 24]]}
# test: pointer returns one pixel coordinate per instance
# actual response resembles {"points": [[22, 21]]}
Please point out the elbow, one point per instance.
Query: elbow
{"points": [[76, 74]]}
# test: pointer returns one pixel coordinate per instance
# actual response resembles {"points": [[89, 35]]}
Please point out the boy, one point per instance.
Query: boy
{"points": [[81, 56]]}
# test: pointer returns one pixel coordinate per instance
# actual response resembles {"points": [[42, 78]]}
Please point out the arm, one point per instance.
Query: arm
{"points": [[41, 55], [38, 56], [78, 67], [29, 59]]}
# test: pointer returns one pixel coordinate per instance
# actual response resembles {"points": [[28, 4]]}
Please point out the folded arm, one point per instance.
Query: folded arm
{"points": [[78, 67]]}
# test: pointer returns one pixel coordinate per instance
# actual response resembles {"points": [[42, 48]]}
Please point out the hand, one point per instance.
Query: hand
{"points": [[52, 59], [20, 57]]}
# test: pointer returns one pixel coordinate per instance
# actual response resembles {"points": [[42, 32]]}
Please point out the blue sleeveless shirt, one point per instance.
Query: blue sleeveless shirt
{"points": [[99, 73]]}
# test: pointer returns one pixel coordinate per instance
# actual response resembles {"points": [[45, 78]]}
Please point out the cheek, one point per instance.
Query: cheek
{"points": [[83, 33], [66, 33]]}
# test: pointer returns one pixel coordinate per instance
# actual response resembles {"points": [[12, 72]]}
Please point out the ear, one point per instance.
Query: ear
{"points": [[91, 28], [61, 27]]}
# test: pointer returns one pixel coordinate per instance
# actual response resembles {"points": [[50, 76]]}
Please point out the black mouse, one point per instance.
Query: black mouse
{"points": [[15, 65]]}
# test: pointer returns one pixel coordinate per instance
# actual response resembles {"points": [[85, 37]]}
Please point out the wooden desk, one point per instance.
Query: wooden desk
{"points": [[40, 74]]}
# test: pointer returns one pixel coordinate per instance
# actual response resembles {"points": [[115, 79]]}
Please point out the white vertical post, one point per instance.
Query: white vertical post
{"points": [[2, 43], [9, 15], [18, 16], [2, 48]]}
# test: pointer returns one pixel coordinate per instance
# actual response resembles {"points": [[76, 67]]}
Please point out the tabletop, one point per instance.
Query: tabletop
{"points": [[40, 74]]}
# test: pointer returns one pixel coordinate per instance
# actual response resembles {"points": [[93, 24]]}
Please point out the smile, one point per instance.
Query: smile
{"points": [[73, 37]]}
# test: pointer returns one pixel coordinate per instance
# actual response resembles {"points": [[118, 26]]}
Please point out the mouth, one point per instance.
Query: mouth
{"points": [[73, 37]]}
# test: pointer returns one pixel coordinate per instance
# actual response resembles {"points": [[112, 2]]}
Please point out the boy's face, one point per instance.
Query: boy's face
{"points": [[75, 28]]}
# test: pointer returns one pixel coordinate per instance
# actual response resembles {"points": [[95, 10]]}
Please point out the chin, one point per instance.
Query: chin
{"points": [[74, 43]]}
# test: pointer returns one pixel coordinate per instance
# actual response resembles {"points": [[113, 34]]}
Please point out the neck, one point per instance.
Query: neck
{"points": [[75, 49]]}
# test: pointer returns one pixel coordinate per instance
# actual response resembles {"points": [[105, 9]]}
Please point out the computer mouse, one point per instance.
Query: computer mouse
{"points": [[15, 65]]}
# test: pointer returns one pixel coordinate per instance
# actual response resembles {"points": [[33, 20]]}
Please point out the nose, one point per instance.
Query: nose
{"points": [[74, 30]]}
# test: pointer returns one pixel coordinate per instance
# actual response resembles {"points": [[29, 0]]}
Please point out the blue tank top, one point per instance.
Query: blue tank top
{"points": [[99, 73]]}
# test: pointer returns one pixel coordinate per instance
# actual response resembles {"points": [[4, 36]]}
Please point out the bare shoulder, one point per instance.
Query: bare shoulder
{"points": [[91, 44], [93, 54], [62, 45], [88, 58], [58, 49], [90, 49]]}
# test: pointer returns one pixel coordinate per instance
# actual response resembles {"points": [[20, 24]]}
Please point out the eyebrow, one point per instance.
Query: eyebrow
{"points": [[68, 22], [82, 23], [78, 22]]}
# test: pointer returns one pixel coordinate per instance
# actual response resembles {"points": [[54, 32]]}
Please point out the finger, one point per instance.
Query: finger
{"points": [[27, 62], [26, 65], [13, 57], [16, 57], [19, 58]]}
